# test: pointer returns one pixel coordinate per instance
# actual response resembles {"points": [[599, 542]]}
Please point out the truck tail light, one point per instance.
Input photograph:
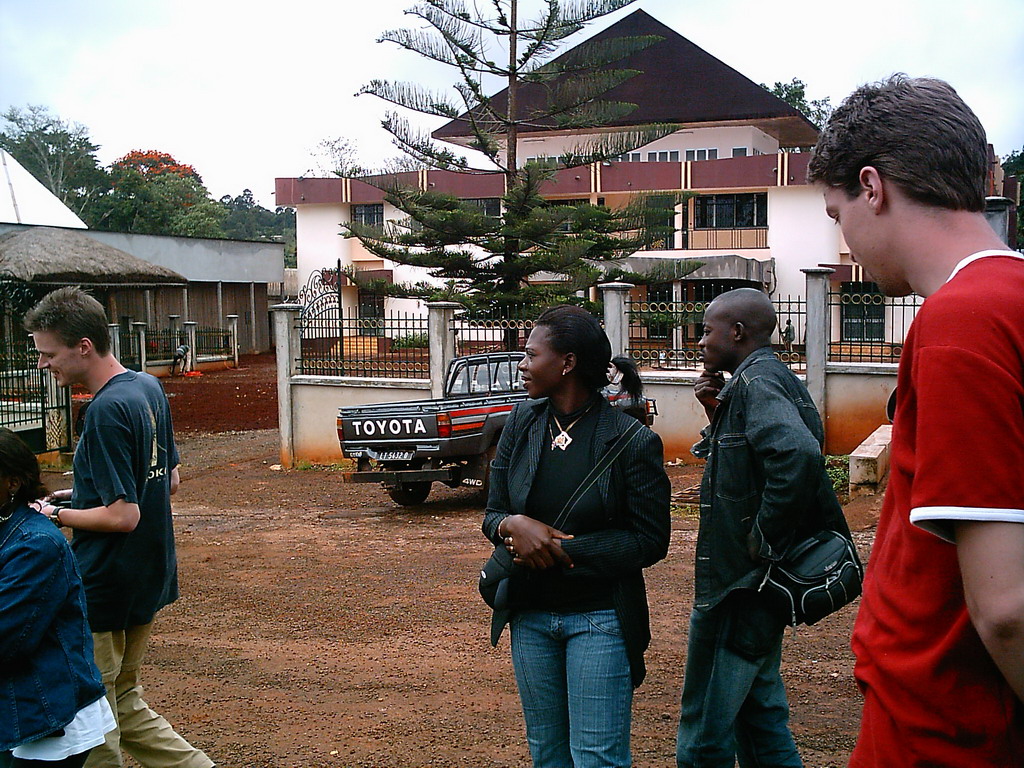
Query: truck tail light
{"points": [[341, 436], [444, 425]]}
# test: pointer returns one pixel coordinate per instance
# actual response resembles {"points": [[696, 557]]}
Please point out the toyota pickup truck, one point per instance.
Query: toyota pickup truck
{"points": [[408, 446]]}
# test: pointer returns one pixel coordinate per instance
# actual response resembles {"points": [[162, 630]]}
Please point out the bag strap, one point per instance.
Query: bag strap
{"points": [[599, 469]]}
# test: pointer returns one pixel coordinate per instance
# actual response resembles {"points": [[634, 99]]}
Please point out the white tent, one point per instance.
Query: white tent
{"points": [[24, 200]]}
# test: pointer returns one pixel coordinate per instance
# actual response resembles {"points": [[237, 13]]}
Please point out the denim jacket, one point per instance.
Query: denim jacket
{"points": [[764, 484], [47, 671]]}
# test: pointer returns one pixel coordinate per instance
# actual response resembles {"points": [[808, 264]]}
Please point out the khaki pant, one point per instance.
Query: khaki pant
{"points": [[140, 732]]}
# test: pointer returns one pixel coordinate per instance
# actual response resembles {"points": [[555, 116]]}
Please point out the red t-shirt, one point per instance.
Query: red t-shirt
{"points": [[932, 694]]}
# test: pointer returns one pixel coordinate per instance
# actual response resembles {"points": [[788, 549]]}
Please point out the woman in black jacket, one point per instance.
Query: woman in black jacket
{"points": [[579, 619]]}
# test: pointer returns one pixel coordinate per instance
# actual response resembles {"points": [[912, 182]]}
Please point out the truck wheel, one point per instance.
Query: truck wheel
{"points": [[409, 494]]}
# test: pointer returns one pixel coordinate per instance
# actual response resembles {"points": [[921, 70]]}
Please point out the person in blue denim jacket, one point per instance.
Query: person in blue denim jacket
{"points": [[764, 487], [52, 705]]}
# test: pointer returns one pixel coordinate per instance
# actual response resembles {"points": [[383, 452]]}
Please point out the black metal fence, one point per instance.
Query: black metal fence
{"points": [[212, 341], [161, 345], [31, 404], [130, 352], [868, 327], [503, 330], [394, 345], [665, 334], [790, 337]]}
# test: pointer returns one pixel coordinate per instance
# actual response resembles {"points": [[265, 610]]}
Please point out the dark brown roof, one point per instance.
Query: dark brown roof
{"points": [[49, 255], [679, 83]]}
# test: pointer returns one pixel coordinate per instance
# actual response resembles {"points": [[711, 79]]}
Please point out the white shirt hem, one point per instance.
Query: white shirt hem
{"points": [[939, 520]]}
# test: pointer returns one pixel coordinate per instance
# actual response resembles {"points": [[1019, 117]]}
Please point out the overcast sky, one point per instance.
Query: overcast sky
{"points": [[245, 90]]}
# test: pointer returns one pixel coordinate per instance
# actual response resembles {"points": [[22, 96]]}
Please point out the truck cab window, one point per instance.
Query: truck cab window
{"points": [[460, 381]]}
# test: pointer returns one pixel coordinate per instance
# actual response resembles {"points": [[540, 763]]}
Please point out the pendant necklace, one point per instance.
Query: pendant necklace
{"points": [[562, 439]]}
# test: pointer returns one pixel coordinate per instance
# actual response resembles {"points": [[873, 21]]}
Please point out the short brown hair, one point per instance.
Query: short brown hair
{"points": [[73, 315], [916, 132]]}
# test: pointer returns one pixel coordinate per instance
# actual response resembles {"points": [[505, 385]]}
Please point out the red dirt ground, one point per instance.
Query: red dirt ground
{"points": [[225, 401], [322, 625]]}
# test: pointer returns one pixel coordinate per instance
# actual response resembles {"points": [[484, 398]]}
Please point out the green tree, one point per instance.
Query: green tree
{"points": [[248, 220], [1013, 165], [487, 258], [151, 193], [794, 93], [58, 153]]}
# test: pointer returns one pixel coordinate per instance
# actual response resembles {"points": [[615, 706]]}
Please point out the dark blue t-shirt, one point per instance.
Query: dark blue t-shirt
{"points": [[127, 451]]}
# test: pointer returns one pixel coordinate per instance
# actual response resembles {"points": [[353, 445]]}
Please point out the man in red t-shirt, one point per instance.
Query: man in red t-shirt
{"points": [[939, 638]]}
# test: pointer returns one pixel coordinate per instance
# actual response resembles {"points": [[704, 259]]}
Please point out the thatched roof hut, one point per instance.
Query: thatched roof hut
{"points": [[44, 255]]}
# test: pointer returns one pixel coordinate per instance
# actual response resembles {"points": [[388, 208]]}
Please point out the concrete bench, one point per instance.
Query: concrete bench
{"points": [[869, 464]]}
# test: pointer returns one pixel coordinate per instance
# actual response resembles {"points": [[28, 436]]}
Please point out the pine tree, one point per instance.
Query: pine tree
{"points": [[488, 257]]}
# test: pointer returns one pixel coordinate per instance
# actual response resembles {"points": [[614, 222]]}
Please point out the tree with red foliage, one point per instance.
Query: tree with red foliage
{"points": [[152, 193], [150, 162]]}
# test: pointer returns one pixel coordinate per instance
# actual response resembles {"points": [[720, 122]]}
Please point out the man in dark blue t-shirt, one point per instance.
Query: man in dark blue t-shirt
{"points": [[126, 468]]}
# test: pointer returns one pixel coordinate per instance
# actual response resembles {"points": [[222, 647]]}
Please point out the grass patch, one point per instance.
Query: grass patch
{"points": [[345, 465], [685, 511], [838, 469]]}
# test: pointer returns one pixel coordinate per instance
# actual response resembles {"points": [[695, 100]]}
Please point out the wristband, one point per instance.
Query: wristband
{"points": [[55, 517]]}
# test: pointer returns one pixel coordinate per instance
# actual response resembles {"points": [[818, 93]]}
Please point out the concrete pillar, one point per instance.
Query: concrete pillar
{"points": [[289, 347], [173, 321], [997, 213], [220, 304], [140, 329], [616, 315], [233, 333], [191, 337], [442, 342], [818, 335], [115, 340], [253, 339]]}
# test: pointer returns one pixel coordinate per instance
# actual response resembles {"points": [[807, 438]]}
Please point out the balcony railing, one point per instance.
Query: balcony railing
{"points": [[712, 239]]}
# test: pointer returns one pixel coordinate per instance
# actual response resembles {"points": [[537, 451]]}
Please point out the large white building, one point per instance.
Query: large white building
{"points": [[752, 220]]}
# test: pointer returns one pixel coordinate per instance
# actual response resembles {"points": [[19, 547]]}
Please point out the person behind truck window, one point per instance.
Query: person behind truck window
{"points": [[625, 390], [579, 618], [51, 697]]}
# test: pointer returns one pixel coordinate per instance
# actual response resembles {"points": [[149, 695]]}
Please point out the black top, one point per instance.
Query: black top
{"points": [[635, 496], [127, 451], [559, 474]]}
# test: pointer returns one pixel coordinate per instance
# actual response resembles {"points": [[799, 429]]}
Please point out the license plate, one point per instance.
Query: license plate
{"points": [[391, 455]]}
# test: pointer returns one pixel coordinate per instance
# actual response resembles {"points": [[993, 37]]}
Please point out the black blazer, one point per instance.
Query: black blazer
{"points": [[636, 497]]}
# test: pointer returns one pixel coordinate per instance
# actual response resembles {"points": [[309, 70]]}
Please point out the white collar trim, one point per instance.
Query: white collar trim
{"points": [[981, 255]]}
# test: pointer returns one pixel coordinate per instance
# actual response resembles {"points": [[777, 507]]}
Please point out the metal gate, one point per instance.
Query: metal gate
{"points": [[31, 403]]}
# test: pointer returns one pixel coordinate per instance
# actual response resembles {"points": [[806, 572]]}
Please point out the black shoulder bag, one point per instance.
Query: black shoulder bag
{"points": [[501, 567], [816, 577]]}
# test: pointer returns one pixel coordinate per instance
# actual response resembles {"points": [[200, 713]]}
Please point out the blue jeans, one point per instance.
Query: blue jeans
{"points": [[574, 683], [733, 703]]}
